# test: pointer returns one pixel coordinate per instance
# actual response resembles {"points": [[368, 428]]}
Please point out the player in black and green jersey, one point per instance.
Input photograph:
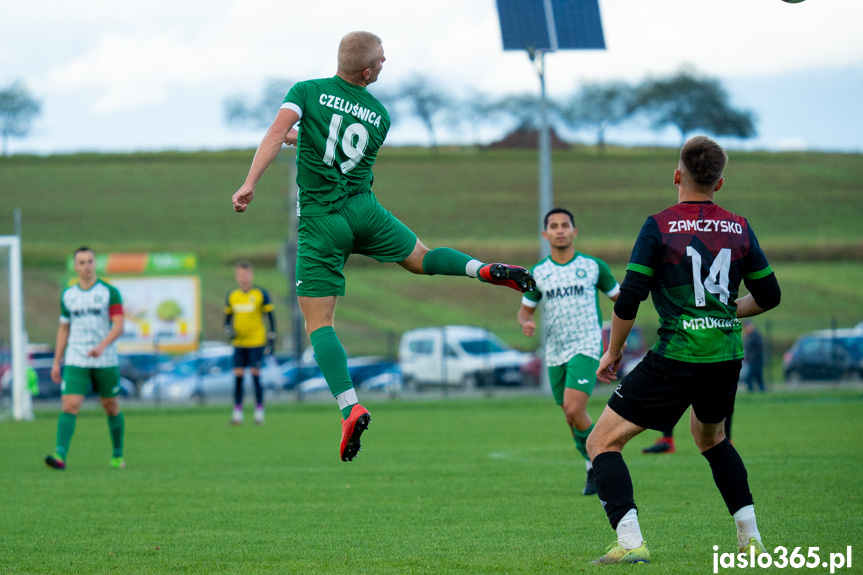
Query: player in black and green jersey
{"points": [[342, 129], [692, 258]]}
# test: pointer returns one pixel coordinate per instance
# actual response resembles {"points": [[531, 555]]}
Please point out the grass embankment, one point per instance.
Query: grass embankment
{"points": [[805, 208]]}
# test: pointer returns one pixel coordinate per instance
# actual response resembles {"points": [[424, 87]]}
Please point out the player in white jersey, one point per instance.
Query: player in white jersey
{"points": [[568, 283], [91, 319]]}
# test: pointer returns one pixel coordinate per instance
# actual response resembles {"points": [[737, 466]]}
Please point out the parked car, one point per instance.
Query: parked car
{"points": [[830, 354], [388, 381], [531, 371], [370, 373], [459, 355], [41, 363], [140, 367], [37, 354], [295, 371], [40, 351], [206, 373], [47, 387]]}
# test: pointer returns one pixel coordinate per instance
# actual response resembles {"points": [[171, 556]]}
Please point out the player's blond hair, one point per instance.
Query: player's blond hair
{"points": [[703, 160], [358, 51]]}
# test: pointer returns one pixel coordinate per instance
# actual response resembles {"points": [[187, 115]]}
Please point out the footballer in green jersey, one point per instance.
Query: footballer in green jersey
{"points": [[342, 125], [91, 319], [691, 259], [338, 127]]}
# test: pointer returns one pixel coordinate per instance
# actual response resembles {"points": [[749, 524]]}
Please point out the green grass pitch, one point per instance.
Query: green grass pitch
{"points": [[470, 486]]}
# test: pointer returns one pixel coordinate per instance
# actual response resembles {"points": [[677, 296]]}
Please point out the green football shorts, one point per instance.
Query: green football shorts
{"points": [[360, 226], [78, 380], [578, 373]]}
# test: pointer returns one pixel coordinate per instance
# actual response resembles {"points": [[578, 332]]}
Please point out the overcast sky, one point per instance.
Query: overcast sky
{"points": [[154, 75]]}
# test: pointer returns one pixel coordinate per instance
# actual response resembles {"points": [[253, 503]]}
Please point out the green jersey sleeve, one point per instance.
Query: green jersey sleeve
{"points": [[64, 311], [536, 294], [114, 298], [606, 281]]}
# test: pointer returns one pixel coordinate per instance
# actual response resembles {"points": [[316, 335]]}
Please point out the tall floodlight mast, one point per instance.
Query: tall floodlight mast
{"points": [[538, 27]]}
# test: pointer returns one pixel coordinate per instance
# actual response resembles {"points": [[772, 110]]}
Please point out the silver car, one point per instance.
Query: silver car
{"points": [[204, 374]]}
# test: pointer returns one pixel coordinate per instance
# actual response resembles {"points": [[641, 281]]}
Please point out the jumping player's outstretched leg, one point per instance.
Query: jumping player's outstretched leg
{"points": [[450, 262], [330, 355]]}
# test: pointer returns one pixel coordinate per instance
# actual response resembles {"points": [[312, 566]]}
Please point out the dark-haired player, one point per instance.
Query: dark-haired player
{"points": [[91, 320], [692, 258], [568, 284], [342, 129]]}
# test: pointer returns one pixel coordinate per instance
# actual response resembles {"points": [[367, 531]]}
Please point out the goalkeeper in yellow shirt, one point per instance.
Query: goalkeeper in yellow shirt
{"points": [[245, 308]]}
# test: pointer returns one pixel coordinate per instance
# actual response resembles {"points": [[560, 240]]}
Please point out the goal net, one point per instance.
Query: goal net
{"points": [[15, 399]]}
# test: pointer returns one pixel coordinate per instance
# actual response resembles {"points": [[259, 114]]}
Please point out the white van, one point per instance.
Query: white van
{"points": [[458, 355]]}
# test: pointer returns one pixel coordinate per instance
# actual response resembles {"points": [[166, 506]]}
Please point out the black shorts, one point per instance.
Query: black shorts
{"points": [[248, 356], [657, 392]]}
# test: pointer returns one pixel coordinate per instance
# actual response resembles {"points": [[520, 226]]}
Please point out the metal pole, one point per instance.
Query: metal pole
{"points": [[546, 195], [22, 404], [296, 333]]}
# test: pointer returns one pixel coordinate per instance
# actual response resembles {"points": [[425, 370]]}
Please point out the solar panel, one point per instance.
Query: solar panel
{"points": [[550, 25]]}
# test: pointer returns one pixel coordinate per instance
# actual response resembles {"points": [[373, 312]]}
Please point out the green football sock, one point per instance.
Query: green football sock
{"points": [[580, 437], [65, 431], [117, 426], [346, 411], [446, 262], [332, 360]]}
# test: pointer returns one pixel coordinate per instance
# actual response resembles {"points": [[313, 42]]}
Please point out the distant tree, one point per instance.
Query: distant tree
{"points": [[599, 106], [390, 98], [239, 112], [689, 103], [17, 110], [423, 99], [475, 110], [524, 110]]}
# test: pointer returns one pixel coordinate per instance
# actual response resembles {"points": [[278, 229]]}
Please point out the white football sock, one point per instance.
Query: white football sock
{"points": [[628, 531], [746, 526], [472, 268], [347, 398]]}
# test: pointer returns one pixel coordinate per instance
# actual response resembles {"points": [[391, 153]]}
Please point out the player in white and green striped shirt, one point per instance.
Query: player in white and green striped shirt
{"points": [[91, 319], [569, 283]]}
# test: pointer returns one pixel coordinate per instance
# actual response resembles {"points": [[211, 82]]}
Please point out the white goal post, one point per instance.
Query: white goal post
{"points": [[22, 401]]}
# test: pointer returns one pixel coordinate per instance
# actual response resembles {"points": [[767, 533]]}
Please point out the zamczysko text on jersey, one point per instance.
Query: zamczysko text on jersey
{"points": [[723, 226]]}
